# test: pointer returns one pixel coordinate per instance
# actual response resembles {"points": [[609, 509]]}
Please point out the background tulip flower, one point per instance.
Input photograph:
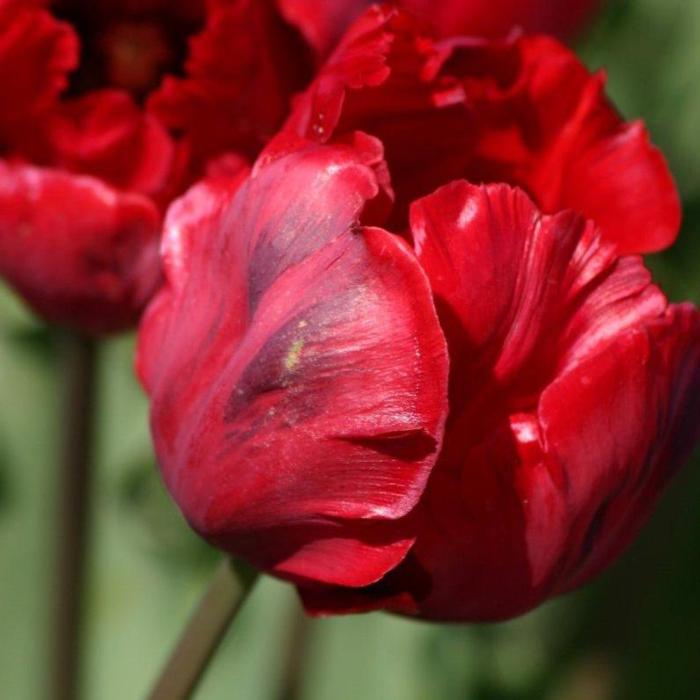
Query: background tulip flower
{"points": [[93, 149], [296, 360]]}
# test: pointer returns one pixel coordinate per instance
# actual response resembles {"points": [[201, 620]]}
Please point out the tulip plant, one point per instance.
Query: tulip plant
{"points": [[399, 341]]}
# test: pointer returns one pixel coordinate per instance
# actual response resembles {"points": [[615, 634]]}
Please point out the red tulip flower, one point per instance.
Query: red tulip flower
{"points": [[91, 149], [461, 414]]}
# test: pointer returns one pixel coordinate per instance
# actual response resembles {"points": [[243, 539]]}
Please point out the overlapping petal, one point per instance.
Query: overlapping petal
{"points": [[36, 54], [545, 124], [296, 368], [105, 134]]}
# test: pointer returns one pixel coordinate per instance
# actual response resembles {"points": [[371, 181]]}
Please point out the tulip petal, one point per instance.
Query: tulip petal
{"points": [[346, 553], [545, 124], [516, 290], [36, 54], [296, 383], [240, 73], [619, 456], [590, 147], [81, 253], [189, 219], [106, 135]]}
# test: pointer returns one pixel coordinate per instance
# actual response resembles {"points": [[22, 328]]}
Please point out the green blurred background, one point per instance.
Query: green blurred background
{"points": [[634, 634]]}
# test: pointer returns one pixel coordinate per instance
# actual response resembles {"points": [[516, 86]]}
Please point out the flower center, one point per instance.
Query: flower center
{"points": [[136, 55], [128, 45]]}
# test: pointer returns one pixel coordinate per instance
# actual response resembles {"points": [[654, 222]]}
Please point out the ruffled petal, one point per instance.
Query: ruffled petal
{"points": [[297, 370], [241, 71], [497, 268], [81, 254], [640, 211], [36, 54], [545, 124], [381, 80], [541, 307], [523, 111], [519, 291], [106, 135]]}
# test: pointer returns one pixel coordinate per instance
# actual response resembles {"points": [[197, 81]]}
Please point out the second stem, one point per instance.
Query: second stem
{"points": [[78, 365]]}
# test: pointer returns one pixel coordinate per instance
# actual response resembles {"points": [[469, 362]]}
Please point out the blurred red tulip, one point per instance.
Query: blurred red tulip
{"points": [[86, 168], [297, 358]]}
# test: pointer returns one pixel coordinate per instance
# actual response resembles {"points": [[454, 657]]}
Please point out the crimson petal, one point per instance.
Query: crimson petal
{"points": [[630, 448], [543, 308], [106, 135], [36, 54], [240, 73]]}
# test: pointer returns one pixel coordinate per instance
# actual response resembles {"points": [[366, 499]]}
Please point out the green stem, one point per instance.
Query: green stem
{"points": [[205, 630], [78, 367]]}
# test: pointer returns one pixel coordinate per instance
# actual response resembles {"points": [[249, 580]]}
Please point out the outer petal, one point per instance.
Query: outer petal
{"points": [[36, 54], [579, 325], [241, 72], [299, 374], [655, 412], [80, 253], [574, 396], [545, 124], [106, 135], [199, 209], [516, 289]]}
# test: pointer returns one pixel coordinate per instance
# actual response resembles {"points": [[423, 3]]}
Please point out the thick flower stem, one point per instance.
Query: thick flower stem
{"points": [[223, 598], [78, 364]]}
